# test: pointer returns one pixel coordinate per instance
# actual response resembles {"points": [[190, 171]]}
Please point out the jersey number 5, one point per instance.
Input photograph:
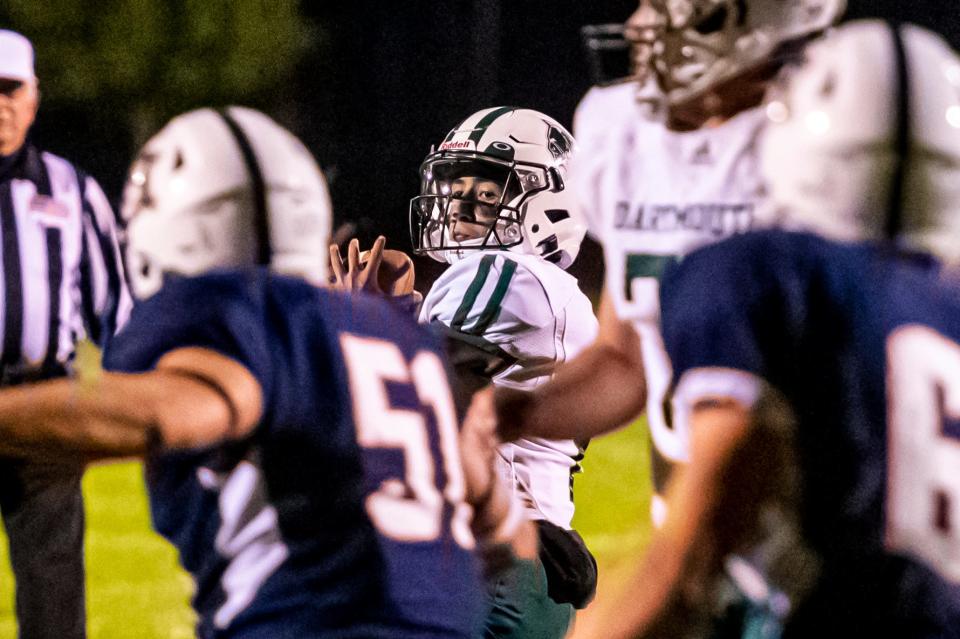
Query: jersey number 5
{"points": [[641, 297], [408, 508], [923, 481]]}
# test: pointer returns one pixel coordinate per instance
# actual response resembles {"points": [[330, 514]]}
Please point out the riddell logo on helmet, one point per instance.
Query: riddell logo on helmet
{"points": [[462, 144]]}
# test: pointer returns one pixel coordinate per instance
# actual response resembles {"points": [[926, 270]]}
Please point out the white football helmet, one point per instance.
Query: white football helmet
{"points": [[863, 141], [224, 188], [527, 155], [694, 45]]}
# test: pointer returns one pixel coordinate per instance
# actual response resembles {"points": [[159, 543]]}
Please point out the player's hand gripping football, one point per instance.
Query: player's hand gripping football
{"points": [[379, 271]]}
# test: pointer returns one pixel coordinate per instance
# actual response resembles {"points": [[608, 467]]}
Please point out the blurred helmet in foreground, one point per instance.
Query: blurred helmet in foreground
{"points": [[692, 46], [863, 139], [224, 188]]}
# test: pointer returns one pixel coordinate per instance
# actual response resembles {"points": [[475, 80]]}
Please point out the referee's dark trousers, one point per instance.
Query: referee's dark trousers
{"points": [[62, 281], [43, 514]]}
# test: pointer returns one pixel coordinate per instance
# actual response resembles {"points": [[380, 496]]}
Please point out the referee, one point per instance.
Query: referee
{"points": [[61, 280]]}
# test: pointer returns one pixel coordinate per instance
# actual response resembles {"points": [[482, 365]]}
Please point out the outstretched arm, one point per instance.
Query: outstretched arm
{"points": [[598, 391], [662, 596], [741, 464], [194, 397]]}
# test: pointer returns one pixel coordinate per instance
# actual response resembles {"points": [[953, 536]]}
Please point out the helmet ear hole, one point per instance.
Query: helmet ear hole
{"points": [[512, 233], [535, 228]]}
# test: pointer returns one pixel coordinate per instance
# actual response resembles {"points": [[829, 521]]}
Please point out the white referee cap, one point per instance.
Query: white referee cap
{"points": [[16, 56]]}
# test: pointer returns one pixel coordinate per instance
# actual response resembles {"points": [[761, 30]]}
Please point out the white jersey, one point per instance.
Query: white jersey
{"points": [[534, 315], [650, 195]]}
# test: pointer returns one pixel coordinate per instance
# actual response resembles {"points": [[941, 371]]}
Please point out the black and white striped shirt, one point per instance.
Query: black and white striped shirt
{"points": [[61, 277]]}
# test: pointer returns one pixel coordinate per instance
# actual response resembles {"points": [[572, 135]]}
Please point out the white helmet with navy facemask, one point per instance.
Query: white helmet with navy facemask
{"points": [[523, 156], [863, 140], [224, 188]]}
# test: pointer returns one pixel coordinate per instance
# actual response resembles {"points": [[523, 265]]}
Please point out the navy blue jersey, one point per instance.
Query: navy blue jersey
{"points": [[865, 346], [342, 514]]}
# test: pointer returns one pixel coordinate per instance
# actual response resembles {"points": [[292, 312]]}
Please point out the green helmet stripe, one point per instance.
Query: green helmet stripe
{"points": [[487, 120]]}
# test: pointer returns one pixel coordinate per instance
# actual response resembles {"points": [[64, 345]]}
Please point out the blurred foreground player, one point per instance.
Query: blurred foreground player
{"points": [[668, 160], [302, 445], [821, 388]]}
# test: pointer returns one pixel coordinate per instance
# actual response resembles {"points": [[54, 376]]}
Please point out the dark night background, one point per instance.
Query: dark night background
{"points": [[388, 79]]}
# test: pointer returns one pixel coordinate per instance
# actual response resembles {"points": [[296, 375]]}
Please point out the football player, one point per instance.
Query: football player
{"points": [[495, 206], [301, 445], [820, 390], [668, 160]]}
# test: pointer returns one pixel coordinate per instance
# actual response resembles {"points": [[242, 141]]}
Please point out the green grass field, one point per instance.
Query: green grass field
{"points": [[135, 589]]}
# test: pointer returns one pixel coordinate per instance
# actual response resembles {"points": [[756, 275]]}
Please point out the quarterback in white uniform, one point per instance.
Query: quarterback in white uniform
{"points": [[668, 158], [531, 316], [494, 205]]}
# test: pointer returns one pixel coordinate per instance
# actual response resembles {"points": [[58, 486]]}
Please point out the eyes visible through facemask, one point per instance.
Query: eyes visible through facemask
{"points": [[479, 189]]}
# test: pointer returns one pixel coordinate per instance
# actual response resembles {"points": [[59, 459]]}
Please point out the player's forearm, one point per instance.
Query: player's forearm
{"points": [[61, 419], [600, 390], [118, 416], [643, 602], [654, 602], [664, 597], [667, 594]]}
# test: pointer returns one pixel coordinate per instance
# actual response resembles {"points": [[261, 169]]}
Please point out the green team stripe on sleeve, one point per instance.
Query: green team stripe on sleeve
{"points": [[486, 121], [492, 309], [470, 297]]}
